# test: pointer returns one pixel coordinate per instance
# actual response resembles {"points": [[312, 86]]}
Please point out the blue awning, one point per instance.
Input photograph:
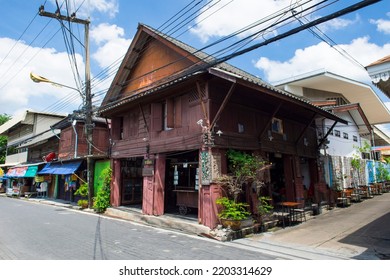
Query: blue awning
{"points": [[61, 168]]}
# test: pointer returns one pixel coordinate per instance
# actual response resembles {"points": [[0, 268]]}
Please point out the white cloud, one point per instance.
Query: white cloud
{"points": [[338, 23], [111, 44], [322, 56], [18, 92], [228, 16], [382, 25], [85, 8]]}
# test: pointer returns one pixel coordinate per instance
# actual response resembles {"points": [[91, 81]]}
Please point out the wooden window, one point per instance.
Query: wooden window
{"points": [[277, 125], [355, 138], [121, 130], [169, 114], [157, 116], [133, 124], [116, 128], [178, 107], [337, 133], [345, 135]]}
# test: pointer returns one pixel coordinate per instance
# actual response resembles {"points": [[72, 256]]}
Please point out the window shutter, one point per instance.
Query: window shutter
{"points": [[178, 111], [157, 116], [170, 113], [115, 126]]}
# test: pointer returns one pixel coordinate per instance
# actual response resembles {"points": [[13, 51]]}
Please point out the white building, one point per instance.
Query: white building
{"points": [[352, 101]]}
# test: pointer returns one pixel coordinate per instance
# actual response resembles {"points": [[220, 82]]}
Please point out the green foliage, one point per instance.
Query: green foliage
{"points": [[245, 168], [232, 210], [102, 199], [264, 207], [82, 190], [243, 164], [83, 203], [3, 139]]}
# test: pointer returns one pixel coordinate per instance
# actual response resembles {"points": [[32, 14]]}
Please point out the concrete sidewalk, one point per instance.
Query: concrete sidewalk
{"points": [[360, 231]]}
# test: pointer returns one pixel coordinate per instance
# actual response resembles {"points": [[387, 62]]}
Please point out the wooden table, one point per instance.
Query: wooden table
{"points": [[290, 205]]}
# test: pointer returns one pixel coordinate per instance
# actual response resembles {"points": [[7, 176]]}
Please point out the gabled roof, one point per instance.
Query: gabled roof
{"points": [[22, 119], [354, 91], [200, 65]]}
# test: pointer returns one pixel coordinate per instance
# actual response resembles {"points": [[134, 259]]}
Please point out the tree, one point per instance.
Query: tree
{"points": [[3, 139]]}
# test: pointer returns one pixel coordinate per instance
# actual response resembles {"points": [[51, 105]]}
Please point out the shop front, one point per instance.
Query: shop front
{"points": [[182, 183], [21, 179], [63, 178]]}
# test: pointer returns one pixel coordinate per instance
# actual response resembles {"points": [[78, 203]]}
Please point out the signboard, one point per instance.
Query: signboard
{"points": [[205, 167], [147, 171]]}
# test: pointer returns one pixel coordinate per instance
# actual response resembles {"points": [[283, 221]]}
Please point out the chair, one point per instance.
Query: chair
{"points": [[282, 214], [300, 212]]}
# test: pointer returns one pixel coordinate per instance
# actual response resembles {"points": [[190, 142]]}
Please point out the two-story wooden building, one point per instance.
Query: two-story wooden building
{"points": [[174, 116]]}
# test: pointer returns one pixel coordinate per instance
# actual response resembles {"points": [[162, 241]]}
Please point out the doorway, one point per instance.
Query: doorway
{"points": [[132, 181], [181, 183], [278, 186]]}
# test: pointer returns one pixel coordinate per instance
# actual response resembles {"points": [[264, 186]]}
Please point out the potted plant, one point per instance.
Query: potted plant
{"points": [[245, 170], [83, 192], [233, 213]]}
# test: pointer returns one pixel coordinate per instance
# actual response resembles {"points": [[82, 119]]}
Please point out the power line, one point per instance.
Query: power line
{"points": [[215, 61]]}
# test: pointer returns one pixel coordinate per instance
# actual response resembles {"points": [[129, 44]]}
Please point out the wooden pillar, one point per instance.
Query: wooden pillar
{"points": [[159, 185], [153, 190], [116, 183], [208, 212]]}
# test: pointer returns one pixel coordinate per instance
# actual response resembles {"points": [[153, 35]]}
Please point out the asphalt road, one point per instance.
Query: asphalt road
{"points": [[34, 231]]}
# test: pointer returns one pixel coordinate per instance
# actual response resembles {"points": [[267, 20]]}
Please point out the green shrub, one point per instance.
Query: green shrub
{"points": [[82, 190], [264, 207], [83, 203], [102, 199], [232, 210]]}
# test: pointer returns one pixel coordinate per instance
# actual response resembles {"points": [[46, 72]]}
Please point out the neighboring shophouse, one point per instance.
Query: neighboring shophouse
{"points": [[69, 169], [50, 161], [174, 117], [356, 103], [30, 140]]}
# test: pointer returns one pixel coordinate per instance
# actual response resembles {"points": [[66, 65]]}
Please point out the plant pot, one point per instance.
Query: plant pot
{"points": [[237, 224]]}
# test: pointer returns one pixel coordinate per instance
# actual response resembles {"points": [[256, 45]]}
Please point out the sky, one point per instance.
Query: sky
{"points": [[42, 45]]}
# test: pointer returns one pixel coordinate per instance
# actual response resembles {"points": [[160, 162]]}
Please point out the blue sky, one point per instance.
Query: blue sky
{"points": [[31, 43]]}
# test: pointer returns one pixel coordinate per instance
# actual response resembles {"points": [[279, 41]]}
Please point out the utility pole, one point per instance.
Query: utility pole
{"points": [[87, 98]]}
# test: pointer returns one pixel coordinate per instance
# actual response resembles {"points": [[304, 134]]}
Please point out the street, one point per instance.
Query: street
{"points": [[33, 231]]}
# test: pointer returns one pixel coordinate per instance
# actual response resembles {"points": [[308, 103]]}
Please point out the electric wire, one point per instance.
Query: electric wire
{"points": [[206, 60]]}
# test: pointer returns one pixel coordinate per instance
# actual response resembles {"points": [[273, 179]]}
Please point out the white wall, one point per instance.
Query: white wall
{"points": [[338, 145]]}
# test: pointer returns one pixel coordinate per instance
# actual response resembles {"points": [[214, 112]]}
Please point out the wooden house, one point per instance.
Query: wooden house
{"points": [[174, 117]]}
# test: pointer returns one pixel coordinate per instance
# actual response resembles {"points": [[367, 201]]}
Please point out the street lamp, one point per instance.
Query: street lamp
{"points": [[39, 79]]}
